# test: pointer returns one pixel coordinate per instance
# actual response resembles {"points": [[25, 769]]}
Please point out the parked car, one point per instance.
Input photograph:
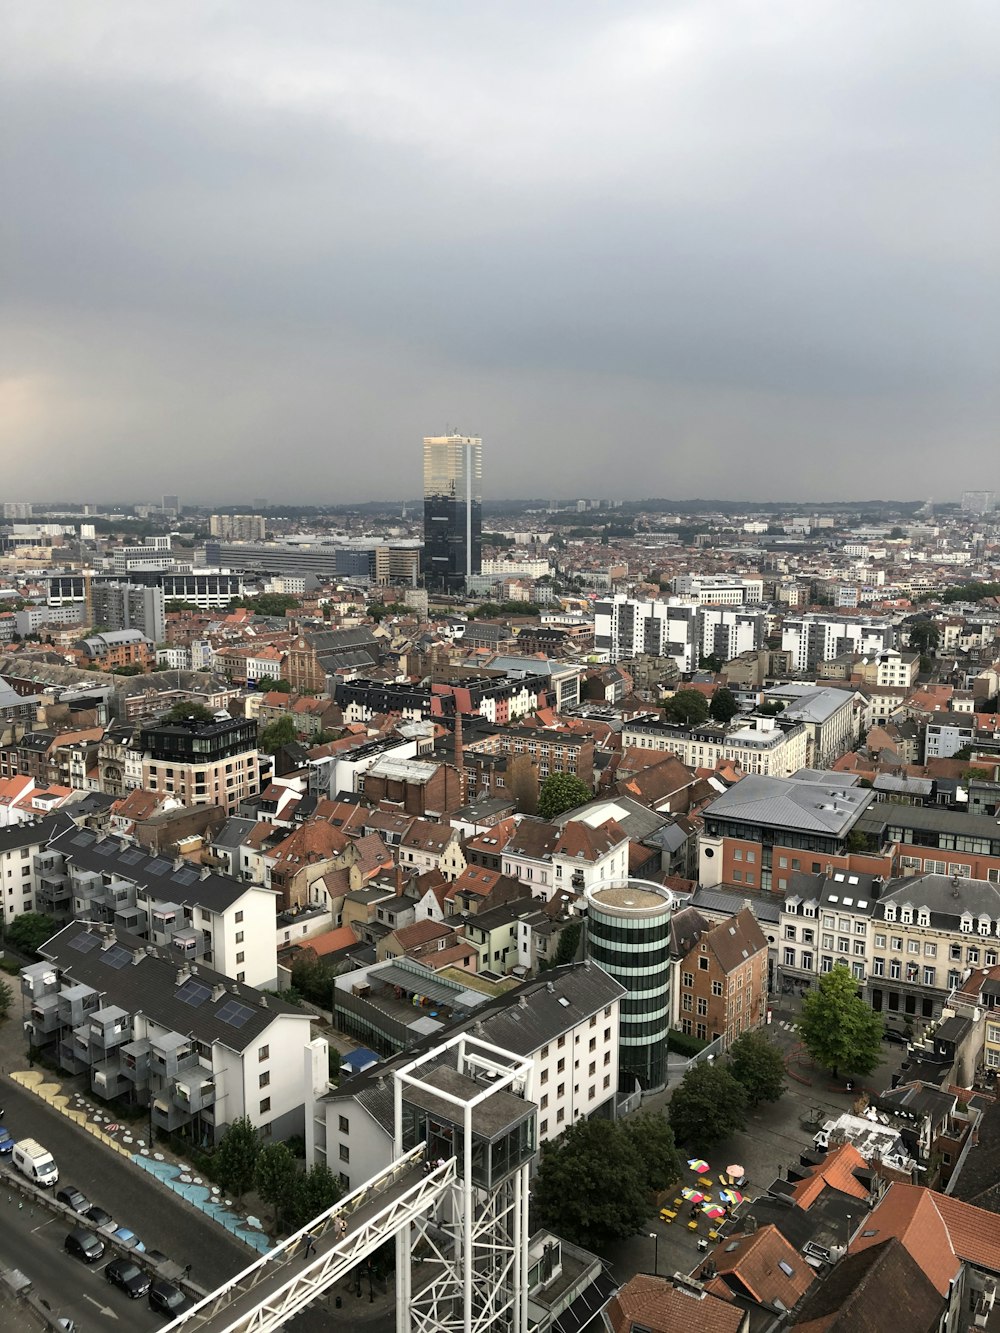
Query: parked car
{"points": [[167, 1299], [101, 1218], [83, 1244], [73, 1198], [127, 1237], [6, 1140], [129, 1276], [895, 1037]]}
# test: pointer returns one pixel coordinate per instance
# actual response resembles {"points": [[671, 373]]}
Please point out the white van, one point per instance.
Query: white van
{"points": [[35, 1162]]}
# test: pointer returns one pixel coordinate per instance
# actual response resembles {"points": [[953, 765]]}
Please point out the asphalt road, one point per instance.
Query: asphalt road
{"points": [[32, 1240], [162, 1220]]}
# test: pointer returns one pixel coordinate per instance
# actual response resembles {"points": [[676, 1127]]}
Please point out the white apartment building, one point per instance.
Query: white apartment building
{"points": [[814, 637], [626, 627], [566, 1023], [717, 590], [759, 746]]}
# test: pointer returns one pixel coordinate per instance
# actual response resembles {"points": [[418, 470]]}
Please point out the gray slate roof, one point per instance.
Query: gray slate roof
{"points": [[820, 807], [150, 984]]}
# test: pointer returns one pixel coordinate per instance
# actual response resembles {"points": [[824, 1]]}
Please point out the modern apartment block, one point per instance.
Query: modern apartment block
{"points": [[238, 527], [196, 1047], [626, 628], [118, 606], [453, 504], [202, 763], [815, 638], [203, 918], [759, 745]]}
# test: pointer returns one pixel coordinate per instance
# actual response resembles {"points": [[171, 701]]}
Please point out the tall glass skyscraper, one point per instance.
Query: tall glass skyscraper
{"points": [[453, 509]]}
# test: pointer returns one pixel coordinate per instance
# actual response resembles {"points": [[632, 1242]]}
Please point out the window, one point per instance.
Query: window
{"points": [[930, 950], [687, 979], [239, 917], [717, 986], [702, 1005], [912, 946], [703, 964], [701, 1031], [545, 1076], [544, 1102], [737, 876], [687, 1003], [560, 1067], [345, 1125], [607, 1081], [895, 969], [827, 941], [239, 937], [897, 943], [955, 953], [263, 1053], [241, 958], [790, 932], [859, 971], [265, 1105], [878, 967], [879, 941], [929, 976], [264, 1079], [345, 1153]]}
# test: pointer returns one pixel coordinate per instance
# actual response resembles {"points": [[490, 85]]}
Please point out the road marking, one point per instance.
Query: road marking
{"points": [[104, 1309], [43, 1224]]}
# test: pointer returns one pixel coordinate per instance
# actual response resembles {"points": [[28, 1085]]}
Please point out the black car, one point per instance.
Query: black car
{"points": [[129, 1276], [166, 1299], [895, 1038], [100, 1217], [73, 1198], [83, 1244]]}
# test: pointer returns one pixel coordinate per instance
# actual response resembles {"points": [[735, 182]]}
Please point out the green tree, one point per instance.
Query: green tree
{"points": [[186, 709], [235, 1160], [837, 1028], [267, 684], [757, 1063], [267, 604], [313, 978], [275, 734], [924, 636], [708, 1105], [29, 931], [313, 1193], [276, 1179], [6, 1000], [653, 1137], [723, 707], [569, 944], [561, 792], [591, 1185], [686, 707], [711, 662]]}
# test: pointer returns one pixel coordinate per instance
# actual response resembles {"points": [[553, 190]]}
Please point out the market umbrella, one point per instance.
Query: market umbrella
{"points": [[693, 1196], [731, 1196], [713, 1210], [698, 1165], [735, 1170]]}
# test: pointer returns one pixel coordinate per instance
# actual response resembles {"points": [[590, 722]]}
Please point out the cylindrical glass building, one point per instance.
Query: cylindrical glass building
{"points": [[628, 934]]}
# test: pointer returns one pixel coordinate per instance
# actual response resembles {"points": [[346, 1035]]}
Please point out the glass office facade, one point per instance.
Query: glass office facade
{"points": [[453, 509]]}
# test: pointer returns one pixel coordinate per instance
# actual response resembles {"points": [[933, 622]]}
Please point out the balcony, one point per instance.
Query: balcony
{"points": [[193, 1095], [168, 1116], [45, 1014], [108, 1081], [134, 1061], [76, 1004], [110, 1028]]}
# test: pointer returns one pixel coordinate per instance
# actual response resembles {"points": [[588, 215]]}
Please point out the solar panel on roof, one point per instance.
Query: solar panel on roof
{"points": [[158, 866], [193, 993], [117, 956], [106, 848], [235, 1013], [82, 839], [185, 876], [132, 855], [84, 942]]}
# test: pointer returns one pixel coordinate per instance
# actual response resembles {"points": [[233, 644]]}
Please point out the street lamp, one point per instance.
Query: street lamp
{"points": [[847, 1247], [655, 1238]]}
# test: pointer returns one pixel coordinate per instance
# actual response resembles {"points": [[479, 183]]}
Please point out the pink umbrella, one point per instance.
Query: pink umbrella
{"points": [[713, 1210], [693, 1196]]}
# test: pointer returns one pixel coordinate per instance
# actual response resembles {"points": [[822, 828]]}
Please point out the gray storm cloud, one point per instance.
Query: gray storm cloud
{"points": [[668, 249]]}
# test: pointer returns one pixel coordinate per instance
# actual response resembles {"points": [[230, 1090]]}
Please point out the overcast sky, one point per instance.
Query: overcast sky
{"points": [[732, 248]]}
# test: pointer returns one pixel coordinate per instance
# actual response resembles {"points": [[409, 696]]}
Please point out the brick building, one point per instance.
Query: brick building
{"points": [[720, 975]]}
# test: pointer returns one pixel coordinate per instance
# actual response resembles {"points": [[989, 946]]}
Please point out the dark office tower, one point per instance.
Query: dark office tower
{"points": [[453, 509]]}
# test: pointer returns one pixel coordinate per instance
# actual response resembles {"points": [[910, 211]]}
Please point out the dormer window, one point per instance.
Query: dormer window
{"points": [[923, 917], [890, 911], [966, 925], [985, 925], [906, 916]]}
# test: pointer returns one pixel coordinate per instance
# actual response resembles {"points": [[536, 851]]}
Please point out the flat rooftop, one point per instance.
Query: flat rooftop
{"points": [[491, 1119]]}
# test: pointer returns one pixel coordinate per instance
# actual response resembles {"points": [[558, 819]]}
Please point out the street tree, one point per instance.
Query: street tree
{"points": [[561, 792], [723, 707], [276, 1179], [686, 707], [313, 1192], [6, 1000], [653, 1138], [29, 931], [924, 635], [707, 1105], [591, 1185], [837, 1028], [757, 1063], [235, 1161]]}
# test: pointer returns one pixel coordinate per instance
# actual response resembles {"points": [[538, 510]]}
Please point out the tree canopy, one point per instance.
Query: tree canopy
{"points": [[707, 1105], [837, 1028], [686, 707], [276, 1179], [757, 1063], [561, 792], [924, 636], [186, 709], [653, 1137], [235, 1160], [267, 684], [591, 1184], [277, 733], [724, 706], [29, 931], [6, 999], [267, 604]]}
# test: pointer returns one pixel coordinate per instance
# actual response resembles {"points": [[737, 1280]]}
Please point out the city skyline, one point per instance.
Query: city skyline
{"points": [[660, 246]]}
